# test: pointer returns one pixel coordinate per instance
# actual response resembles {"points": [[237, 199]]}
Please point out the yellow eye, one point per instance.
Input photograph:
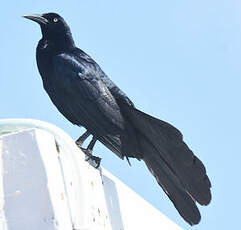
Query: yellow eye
{"points": [[55, 19]]}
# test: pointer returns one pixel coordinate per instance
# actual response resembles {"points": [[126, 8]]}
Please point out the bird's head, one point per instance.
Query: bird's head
{"points": [[53, 26]]}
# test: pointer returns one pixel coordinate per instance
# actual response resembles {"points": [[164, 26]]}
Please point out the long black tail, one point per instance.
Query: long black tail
{"points": [[177, 170]]}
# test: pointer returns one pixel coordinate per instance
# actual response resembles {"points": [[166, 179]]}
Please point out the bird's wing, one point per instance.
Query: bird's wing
{"points": [[87, 100], [116, 92]]}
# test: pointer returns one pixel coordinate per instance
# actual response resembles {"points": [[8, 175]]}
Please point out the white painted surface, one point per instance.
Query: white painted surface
{"points": [[47, 187]]}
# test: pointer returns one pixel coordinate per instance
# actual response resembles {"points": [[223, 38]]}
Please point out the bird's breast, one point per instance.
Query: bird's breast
{"points": [[44, 60]]}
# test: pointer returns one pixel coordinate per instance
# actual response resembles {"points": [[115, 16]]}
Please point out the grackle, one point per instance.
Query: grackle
{"points": [[83, 93]]}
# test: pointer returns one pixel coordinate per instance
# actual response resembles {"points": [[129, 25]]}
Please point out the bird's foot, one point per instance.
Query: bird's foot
{"points": [[93, 160]]}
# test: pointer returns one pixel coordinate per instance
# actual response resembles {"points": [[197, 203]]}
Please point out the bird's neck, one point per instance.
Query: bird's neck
{"points": [[59, 43]]}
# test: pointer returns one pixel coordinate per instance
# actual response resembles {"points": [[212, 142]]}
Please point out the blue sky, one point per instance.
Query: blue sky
{"points": [[177, 60]]}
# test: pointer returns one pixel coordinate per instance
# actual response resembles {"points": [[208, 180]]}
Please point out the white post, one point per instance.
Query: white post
{"points": [[45, 184]]}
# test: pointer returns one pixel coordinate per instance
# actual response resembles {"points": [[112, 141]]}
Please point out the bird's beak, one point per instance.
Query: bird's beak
{"points": [[37, 18]]}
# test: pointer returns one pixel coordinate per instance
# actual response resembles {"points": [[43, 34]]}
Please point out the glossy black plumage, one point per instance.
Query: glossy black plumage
{"points": [[87, 97]]}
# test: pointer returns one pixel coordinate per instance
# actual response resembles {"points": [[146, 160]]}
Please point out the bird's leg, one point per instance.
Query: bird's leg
{"points": [[82, 138], [91, 144], [88, 153]]}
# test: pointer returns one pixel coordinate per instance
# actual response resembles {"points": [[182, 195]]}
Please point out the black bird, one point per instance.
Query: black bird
{"points": [[87, 97]]}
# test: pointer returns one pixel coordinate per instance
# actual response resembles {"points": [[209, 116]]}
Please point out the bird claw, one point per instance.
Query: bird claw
{"points": [[93, 160], [97, 161]]}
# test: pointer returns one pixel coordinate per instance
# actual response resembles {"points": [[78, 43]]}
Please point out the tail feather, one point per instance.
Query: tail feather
{"points": [[169, 144], [177, 170], [171, 185]]}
